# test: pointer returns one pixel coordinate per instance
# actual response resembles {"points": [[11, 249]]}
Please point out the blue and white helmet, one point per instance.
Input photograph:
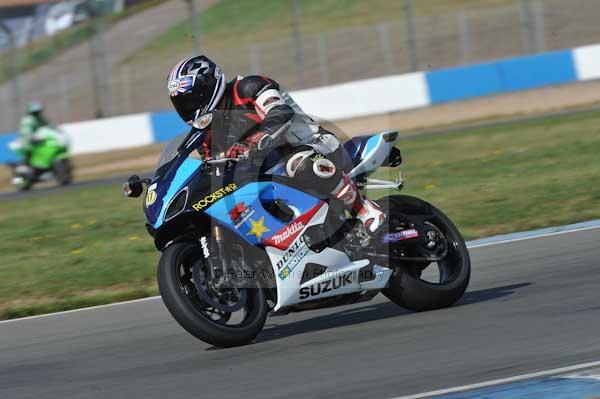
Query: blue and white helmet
{"points": [[196, 85]]}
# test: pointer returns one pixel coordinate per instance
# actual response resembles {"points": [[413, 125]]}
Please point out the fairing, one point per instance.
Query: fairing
{"points": [[369, 152], [243, 205]]}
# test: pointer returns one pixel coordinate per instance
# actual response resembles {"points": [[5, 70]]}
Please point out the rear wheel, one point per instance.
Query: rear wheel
{"points": [[223, 317], [412, 286], [63, 172]]}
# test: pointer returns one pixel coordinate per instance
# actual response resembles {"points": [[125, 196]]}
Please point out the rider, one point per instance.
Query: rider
{"points": [[197, 86], [30, 124]]}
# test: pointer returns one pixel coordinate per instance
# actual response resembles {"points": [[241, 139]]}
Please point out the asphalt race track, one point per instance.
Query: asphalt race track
{"points": [[533, 305]]}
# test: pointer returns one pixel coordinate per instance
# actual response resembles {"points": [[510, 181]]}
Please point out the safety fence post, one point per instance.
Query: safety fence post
{"points": [[411, 37], [297, 41], [15, 73]]}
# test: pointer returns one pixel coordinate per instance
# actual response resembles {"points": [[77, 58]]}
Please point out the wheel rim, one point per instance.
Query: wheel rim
{"points": [[442, 272], [227, 300], [228, 307], [450, 266]]}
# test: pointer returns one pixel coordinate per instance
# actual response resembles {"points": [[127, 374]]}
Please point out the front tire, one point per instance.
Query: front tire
{"points": [[406, 288], [184, 300], [23, 177], [25, 185]]}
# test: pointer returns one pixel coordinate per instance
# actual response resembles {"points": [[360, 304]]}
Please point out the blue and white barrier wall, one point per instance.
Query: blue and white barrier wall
{"points": [[359, 98]]}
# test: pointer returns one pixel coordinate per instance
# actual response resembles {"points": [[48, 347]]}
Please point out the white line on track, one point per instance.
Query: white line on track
{"points": [[501, 381], [555, 233], [109, 305], [482, 244]]}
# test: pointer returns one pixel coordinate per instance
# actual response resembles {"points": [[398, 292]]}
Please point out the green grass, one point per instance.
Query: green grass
{"points": [[231, 24], [234, 23], [88, 246], [79, 247], [512, 177], [44, 49]]}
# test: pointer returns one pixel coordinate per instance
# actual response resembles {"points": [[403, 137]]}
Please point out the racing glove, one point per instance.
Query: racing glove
{"points": [[243, 148]]}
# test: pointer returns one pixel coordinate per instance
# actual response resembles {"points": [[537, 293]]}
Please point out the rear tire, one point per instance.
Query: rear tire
{"points": [[405, 286], [188, 309], [63, 172]]}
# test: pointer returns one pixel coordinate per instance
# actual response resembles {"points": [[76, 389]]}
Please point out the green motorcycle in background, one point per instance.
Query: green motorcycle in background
{"points": [[44, 157]]}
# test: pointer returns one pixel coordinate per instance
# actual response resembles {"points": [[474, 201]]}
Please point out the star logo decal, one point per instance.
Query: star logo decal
{"points": [[258, 228]]}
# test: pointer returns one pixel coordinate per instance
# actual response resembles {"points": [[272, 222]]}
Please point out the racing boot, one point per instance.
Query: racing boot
{"points": [[367, 211]]}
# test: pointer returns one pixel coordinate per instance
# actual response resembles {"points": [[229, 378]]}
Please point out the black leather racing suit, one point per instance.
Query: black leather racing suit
{"points": [[257, 105]]}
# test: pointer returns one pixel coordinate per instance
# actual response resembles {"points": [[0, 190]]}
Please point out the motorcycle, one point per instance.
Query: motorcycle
{"points": [[46, 160], [239, 245]]}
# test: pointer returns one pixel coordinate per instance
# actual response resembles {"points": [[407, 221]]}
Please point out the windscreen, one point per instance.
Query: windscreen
{"points": [[170, 150]]}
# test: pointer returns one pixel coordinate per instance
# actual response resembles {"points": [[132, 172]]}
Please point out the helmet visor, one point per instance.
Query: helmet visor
{"points": [[187, 106]]}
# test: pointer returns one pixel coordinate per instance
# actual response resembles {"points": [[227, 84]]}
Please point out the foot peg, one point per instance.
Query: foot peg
{"points": [[374, 184]]}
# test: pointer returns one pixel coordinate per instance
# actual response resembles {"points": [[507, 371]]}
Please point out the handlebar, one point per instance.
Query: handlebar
{"points": [[209, 164], [263, 146], [223, 160], [217, 161]]}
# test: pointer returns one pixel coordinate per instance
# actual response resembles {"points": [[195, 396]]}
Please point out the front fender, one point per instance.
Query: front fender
{"points": [[185, 226]]}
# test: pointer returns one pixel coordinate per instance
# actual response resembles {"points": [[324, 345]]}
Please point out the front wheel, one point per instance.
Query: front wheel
{"points": [[23, 176], [223, 317], [24, 184], [408, 287]]}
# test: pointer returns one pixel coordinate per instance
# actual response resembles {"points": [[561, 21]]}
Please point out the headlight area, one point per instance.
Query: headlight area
{"points": [[177, 204]]}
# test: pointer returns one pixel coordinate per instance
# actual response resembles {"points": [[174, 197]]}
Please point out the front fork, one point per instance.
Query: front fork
{"points": [[220, 261], [223, 272]]}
